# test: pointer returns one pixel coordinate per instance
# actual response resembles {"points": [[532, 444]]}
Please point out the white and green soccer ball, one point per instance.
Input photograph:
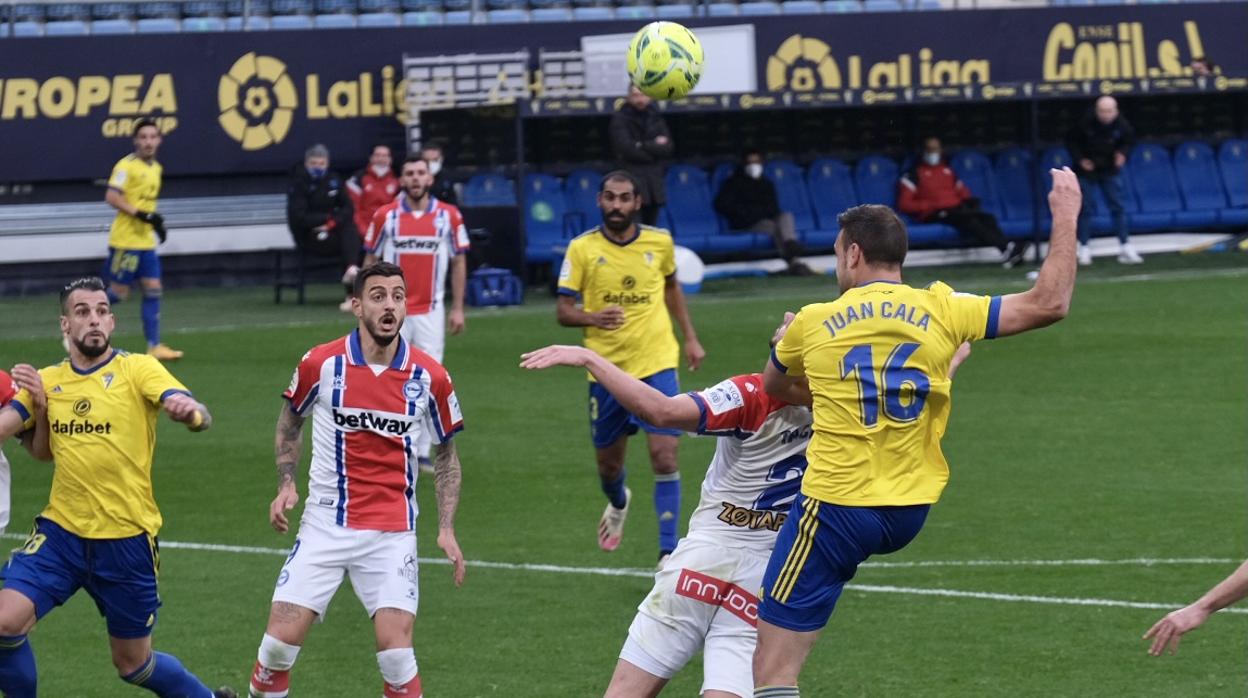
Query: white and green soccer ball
{"points": [[665, 60]]}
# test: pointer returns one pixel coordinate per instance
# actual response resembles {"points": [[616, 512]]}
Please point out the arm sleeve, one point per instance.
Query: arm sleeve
{"points": [[572, 273], [7, 388], [908, 198], [972, 317], [304, 385], [376, 233], [1128, 136], [22, 403], [667, 257], [117, 180], [734, 407], [459, 233], [622, 142], [155, 381], [444, 413], [787, 356], [297, 208], [660, 151]]}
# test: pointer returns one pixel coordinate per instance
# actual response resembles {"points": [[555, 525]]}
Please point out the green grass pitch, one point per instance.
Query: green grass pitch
{"points": [[1114, 437]]}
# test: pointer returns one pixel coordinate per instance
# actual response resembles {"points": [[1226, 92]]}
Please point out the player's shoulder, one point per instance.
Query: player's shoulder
{"points": [[654, 232], [418, 359], [328, 350], [386, 208], [447, 206]]}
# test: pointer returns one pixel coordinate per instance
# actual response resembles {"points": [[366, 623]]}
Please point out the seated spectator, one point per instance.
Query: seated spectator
{"points": [[749, 202], [371, 188], [320, 215], [931, 192]]}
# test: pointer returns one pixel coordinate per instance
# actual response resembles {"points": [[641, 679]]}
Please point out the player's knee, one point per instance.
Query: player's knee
{"points": [[129, 660], [276, 655], [398, 665], [17, 614], [394, 628], [118, 293], [663, 460]]}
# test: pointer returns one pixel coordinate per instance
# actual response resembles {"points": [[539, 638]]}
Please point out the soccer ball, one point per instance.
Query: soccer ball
{"points": [[665, 60]]}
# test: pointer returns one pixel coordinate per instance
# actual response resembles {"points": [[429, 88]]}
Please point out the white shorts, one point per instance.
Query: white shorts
{"points": [[426, 332], [704, 598], [380, 564]]}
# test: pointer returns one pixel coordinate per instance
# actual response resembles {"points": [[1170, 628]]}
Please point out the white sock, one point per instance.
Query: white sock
{"points": [[276, 655], [398, 666]]}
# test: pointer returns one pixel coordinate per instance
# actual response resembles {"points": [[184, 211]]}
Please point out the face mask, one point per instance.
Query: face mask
{"points": [[931, 158], [754, 170], [381, 170], [435, 166], [316, 172]]}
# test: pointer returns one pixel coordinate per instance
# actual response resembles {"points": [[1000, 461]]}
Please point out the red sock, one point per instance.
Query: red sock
{"points": [[411, 689], [270, 684]]}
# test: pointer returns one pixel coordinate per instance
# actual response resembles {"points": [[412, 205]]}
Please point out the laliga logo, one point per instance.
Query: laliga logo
{"points": [[257, 101], [802, 64]]}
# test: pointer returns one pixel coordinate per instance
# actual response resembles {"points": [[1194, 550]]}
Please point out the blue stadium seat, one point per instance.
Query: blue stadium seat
{"points": [[68, 11], [759, 8], [581, 189], [689, 203], [424, 18], [335, 7], [28, 12], [205, 8], [831, 188], [112, 26], [166, 25], [69, 27], [1196, 173], [334, 21], [592, 14], [1014, 188], [882, 6], [290, 7], [680, 11], [112, 10], [791, 191], [721, 172], [457, 17], [1233, 161], [545, 206], [379, 19], [801, 7], [1156, 193], [552, 14], [841, 6], [253, 23], [27, 29], [722, 9], [635, 12], [489, 190], [509, 16], [975, 171], [876, 177], [928, 5], [284, 22], [371, 6], [160, 10]]}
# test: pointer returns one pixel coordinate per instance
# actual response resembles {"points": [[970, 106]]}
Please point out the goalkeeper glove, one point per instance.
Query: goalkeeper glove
{"points": [[157, 222]]}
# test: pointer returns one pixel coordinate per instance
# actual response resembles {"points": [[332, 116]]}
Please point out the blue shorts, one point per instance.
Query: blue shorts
{"points": [[119, 574], [819, 549], [608, 420], [124, 266]]}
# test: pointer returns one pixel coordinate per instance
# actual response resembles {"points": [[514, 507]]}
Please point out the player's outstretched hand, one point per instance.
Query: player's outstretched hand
{"points": [[1167, 631], [554, 355], [286, 499], [450, 546], [455, 321], [26, 377], [609, 318], [181, 408], [1065, 199], [694, 353]]}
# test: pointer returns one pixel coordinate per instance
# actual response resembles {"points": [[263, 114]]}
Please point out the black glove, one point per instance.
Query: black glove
{"points": [[157, 222]]}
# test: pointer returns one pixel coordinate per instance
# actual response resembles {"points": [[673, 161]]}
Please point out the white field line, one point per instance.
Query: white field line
{"points": [[869, 588]]}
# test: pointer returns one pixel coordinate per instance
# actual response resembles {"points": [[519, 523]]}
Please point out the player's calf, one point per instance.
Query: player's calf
{"points": [[271, 677], [399, 672]]}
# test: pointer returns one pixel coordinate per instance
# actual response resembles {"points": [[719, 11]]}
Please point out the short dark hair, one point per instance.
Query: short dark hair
{"points": [[414, 157], [144, 123], [747, 152], [383, 269], [433, 145], [878, 232], [86, 283], [618, 176], [381, 145]]}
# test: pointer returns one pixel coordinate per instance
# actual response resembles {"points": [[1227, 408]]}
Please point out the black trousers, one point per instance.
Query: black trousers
{"points": [[975, 224], [345, 245]]}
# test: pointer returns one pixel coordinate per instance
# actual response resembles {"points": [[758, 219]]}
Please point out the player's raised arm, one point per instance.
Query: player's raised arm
{"points": [[675, 299], [447, 478], [288, 445], [35, 440], [651, 405], [1049, 300]]}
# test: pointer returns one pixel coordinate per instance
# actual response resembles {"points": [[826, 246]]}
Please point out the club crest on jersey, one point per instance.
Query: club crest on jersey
{"points": [[412, 390], [649, 258]]}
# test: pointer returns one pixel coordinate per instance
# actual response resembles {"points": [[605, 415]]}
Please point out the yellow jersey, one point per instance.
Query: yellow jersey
{"points": [[103, 434], [877, 360], [632, 275], [139, 181]]}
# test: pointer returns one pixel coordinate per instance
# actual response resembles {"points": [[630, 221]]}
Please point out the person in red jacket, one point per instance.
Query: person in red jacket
{"points": [[932, 193], [372, 187]]}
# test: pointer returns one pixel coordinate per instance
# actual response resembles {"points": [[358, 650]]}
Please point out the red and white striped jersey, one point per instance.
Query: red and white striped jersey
{"points": [[365, 424], [422, 244], [757, 468]]}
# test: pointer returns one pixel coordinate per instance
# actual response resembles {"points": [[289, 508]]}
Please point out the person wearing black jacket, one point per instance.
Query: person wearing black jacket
{"points": [[749, 202], [642, 143], [320, 215], [1098, 145], [442, 190]]}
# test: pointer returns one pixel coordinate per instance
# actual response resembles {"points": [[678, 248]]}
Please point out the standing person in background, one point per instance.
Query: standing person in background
{"points": [[321, 218], [642, 143], [442, 190], [1098, 145], [132, 238], [371, 188]]}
